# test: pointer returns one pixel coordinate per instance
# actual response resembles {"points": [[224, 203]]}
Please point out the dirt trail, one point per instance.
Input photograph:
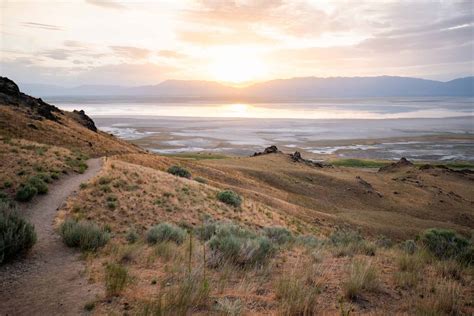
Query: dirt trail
{"points": [[50, 280]]}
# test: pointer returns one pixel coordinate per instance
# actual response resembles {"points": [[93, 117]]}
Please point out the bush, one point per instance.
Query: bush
{"points": [[84, 235], [165, 232], [179, 171], [207, 230], [17, 236], [362, 277], [279, 235], [344, 237], [239, 246], [230, 197], [116, 277], [409, 246], [132, 236], [25, 193], [39, 184], [308, 241], [446, 244]]}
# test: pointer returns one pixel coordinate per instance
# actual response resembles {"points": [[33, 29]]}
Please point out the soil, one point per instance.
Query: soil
{"points": [[51, 279]]}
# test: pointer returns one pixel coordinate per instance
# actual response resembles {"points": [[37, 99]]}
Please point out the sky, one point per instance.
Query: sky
{"points": [[79, 42]]}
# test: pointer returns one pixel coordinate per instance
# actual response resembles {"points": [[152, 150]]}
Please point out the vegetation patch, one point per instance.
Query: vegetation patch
{"points": [[230, 197], [362, 277], [239, 246], [165, 232], [447, 244], [359, 163], [116, 277], [278, 235], [179, 171], [17, 236], [84, 235]]}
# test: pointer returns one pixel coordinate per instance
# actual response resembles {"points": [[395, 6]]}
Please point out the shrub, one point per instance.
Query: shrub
{"points": [[445, 243], [279, 235], [409, 246], [116, 277], [384, 242], [362, 277], [84, 235], [132, 236], [17, 236], [179, 171], [308, 241], [46, 177], [165, 232], [26, 192], [344, 237], [230, 197], [239, 246], [39, 184], [207, 230]]}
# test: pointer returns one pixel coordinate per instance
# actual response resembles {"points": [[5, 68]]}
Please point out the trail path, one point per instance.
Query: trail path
{"points": [[50, 280]]}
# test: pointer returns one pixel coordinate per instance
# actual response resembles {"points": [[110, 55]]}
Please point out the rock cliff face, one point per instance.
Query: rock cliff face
{"points": [[84, 120], [38, 109], [402, 163]]}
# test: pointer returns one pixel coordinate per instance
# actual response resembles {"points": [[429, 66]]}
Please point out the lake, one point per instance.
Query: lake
{"points": [[379, 128]]}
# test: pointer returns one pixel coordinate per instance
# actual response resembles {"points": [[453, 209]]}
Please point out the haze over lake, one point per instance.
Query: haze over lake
{"points": [[419, 128]]}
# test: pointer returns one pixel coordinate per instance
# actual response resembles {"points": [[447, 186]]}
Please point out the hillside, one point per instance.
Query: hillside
{"points": [[268, 234], [294, 88]]}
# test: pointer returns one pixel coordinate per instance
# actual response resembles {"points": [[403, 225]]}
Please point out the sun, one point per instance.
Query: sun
{"points": [[235, 66]]}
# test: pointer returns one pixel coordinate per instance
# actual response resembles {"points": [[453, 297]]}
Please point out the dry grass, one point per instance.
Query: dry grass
{"points": [[362, 277]]}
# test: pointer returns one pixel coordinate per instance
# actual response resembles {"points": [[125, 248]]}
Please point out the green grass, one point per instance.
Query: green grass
{"points": [[197, 156], [359, 163]]}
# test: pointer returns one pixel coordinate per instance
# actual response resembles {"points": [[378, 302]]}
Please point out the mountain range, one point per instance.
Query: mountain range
{"points": [[294, 88]]}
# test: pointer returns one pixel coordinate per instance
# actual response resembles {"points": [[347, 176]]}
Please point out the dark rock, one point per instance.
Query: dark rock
{"points": [[8, 87], [296, 156], [269, 150], [402, 163], [84, 120]]}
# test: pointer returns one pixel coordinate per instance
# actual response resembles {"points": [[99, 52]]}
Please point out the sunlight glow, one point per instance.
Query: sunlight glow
{"points": [[237, 66]]}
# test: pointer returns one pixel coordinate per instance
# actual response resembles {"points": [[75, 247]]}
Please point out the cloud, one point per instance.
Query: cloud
{"points": [[131, 52], [42, 26], [170, 54], [106, 4]]}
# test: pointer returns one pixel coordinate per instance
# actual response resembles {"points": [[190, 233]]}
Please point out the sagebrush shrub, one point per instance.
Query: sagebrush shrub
{"points": [[39, 184], [279, 235], [165, 232], [132, 236], [239, 246], [230, 197], [17, 235], [179, 171], [84, 235], [25, 193], [446, 244]]}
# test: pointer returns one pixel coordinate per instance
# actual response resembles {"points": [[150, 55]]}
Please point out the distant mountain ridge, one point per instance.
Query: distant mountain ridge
{"points": [[294, 88]]}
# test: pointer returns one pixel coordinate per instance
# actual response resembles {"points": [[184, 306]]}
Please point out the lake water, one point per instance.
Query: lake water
{"points": [[388, 128]]}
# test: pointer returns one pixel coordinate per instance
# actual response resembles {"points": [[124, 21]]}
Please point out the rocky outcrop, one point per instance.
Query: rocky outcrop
{"points": [[84, 120], [401, 164], [296, 157], [269, 150], [10, 95]]}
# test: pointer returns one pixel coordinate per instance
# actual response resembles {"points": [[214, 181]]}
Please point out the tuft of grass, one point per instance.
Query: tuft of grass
{"points": [[297, 295], [84, 235], [116, 277], [444, 299], [17, 235], [229, 197], [40, 185], [200, 180], [362, 277], [165, 232], [231, 307], [179, 171]]}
